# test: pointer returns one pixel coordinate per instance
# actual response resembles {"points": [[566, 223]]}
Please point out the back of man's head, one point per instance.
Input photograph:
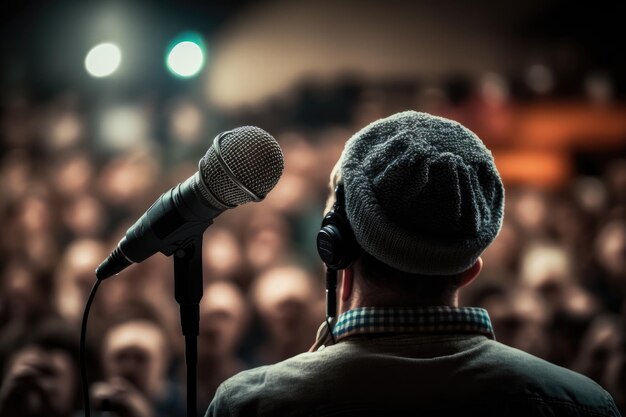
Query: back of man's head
{"points": [[423, 197]]}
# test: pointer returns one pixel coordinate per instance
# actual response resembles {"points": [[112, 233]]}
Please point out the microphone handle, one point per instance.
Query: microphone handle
{"points": [[175, 216]]}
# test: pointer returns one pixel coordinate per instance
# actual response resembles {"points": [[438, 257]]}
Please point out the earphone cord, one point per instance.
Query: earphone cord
{"points": [[330, 330], [82, 354]]}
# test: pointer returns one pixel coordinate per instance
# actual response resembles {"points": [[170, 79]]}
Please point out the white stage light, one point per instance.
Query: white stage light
{"points": [[103, 59]]}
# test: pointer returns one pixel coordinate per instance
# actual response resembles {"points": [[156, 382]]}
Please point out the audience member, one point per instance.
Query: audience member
{"points": [[223, 320], [41, 377], [136, 357], [288, 303]]}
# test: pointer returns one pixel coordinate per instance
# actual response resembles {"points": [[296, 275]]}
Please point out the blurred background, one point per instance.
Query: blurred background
{"points": [[105, 105]]}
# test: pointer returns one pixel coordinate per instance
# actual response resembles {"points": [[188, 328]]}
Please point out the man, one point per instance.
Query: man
{"points": [[223, 320], [286, 302], [424, 199], [136, 356], [41, 376]]}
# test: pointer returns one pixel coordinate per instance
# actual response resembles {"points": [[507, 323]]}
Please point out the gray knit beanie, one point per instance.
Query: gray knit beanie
{"points": [[423, 194]]}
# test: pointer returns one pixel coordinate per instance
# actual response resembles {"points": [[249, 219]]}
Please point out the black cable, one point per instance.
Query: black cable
{"points": [[330, 330], [331, 298], [83, 337]]}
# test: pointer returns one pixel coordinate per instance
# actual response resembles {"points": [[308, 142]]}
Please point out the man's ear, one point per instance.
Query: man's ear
{"points": [[347, 284], [470, 275]]}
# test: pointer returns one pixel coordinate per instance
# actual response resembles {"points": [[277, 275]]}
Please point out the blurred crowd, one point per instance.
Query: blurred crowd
{"points": [[554, 281]]}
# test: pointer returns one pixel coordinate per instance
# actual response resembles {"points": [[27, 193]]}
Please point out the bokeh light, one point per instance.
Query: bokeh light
{"points": [[539, 78], [186, 123], [494, 89], [103, 60], [599, 88], [123, 128], [185, 57]]}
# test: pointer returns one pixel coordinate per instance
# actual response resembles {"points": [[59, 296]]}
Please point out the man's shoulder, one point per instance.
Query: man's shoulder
{"points": [[301, 367], [290, 381], [533, 377], [515, 362], [488, 373]]}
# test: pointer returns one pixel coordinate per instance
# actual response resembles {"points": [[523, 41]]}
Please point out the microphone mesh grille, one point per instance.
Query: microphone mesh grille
{"points": [[254, 157]]}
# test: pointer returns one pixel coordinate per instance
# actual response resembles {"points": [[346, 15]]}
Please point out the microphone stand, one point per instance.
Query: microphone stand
{"points": [[188, 292]]}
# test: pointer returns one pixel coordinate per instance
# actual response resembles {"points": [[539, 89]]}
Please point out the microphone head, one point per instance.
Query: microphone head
{"points": [[243, 165]]}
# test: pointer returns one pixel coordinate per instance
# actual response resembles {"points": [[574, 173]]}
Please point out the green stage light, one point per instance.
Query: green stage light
{"points": [[186, 55]]}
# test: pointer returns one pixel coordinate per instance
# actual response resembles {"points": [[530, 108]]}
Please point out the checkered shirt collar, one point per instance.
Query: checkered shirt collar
{"points": [[436, 319]]}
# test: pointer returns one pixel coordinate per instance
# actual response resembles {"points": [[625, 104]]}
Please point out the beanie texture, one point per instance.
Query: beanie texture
{"points": [[423, 194]]}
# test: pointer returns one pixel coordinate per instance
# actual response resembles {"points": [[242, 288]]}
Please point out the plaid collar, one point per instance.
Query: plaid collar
{"points": [[436, 319]]}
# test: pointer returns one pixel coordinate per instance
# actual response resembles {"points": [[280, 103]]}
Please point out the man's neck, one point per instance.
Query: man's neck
{"points": [[358, 300]]}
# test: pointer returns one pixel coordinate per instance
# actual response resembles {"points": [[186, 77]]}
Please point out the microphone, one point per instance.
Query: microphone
{"points": [[242, 165]]}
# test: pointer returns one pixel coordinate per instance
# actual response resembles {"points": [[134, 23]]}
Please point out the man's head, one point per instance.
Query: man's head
{"points": [[284, 297], [223, 317], [137, 351], [424, 199], [41, 376]]}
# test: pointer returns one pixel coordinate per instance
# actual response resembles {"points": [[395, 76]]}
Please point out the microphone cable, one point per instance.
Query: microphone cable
{"points": [[330, 329], [82, 353]]}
